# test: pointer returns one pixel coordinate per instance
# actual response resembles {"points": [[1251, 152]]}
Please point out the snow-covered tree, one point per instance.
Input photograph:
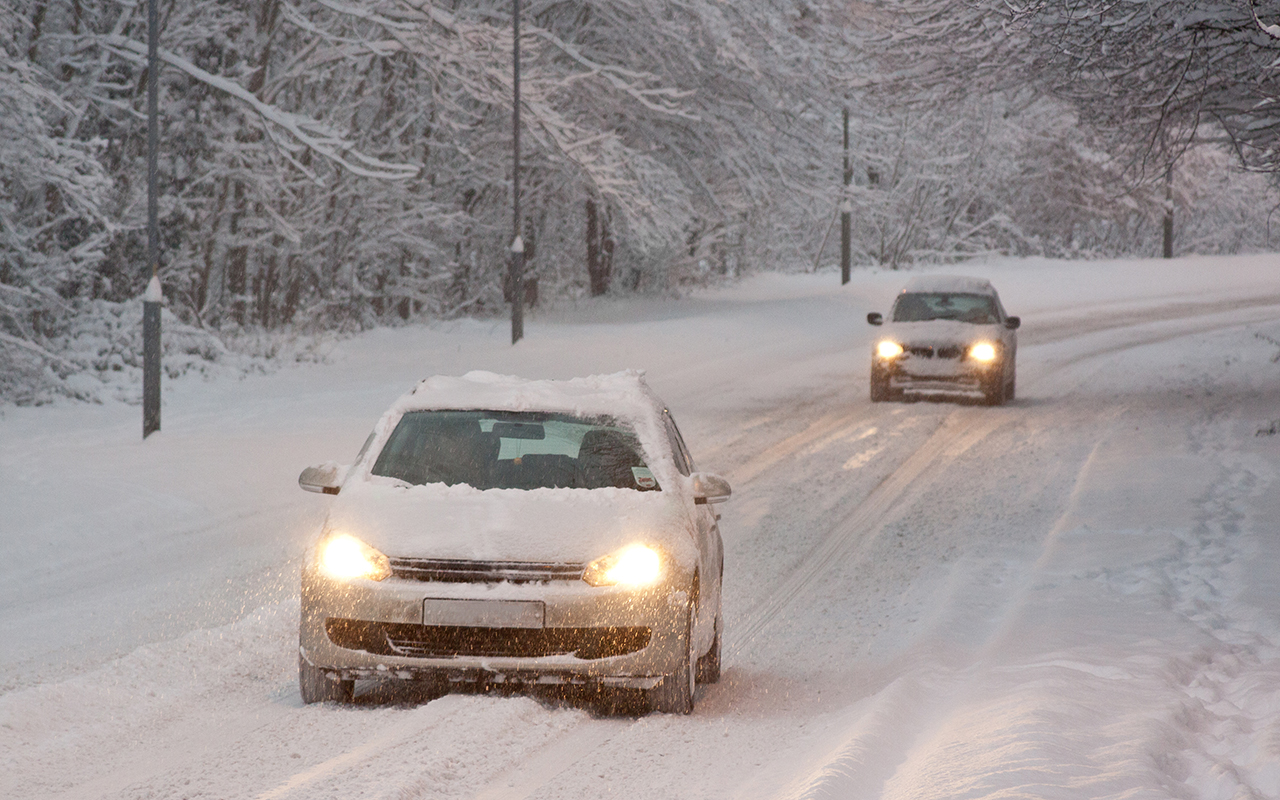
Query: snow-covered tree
{"points": [[53, 228]]}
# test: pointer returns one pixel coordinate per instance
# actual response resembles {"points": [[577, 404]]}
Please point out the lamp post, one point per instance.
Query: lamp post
{"points": [[515, 278], [152, 298], [846, 210]]}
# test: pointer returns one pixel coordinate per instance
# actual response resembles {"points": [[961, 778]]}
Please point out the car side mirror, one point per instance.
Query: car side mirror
{"points": [[875, 318], [708, 488], [324, 479], [1012, 323]]}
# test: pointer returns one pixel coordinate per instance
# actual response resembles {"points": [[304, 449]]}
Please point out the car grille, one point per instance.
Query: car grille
{"points": [[926, 351], [438, 641], [456, 571]]}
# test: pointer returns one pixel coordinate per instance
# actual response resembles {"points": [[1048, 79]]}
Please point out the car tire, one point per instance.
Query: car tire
{"points": [[1009, 392], [709, 664], [317, 687], [993, 392], [880, 391], [675, 694]]}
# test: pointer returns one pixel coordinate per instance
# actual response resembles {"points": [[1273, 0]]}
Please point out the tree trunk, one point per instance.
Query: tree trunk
{"points": [[237, 259], [599, 251]]}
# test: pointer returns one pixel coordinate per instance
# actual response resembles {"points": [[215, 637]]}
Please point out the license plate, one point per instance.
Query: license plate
{"points": [[484, 613]]}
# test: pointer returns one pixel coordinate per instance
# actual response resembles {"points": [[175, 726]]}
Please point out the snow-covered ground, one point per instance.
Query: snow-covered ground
{"points": [[1074, 596]]}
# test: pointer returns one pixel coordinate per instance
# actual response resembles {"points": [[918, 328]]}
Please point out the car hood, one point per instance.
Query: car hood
{"points": [[941, 332], [461, 522]]}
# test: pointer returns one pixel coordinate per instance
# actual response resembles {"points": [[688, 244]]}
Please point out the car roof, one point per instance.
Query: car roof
{"points": [[619, 395], [949, 283]]}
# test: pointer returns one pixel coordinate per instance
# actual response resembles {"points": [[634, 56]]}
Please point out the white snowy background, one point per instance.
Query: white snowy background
{"points": [[1073, 596]]}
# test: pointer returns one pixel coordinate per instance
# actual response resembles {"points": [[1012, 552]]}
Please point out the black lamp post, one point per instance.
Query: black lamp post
{"points": [[152, 298], [515, 278], [846, 210]]}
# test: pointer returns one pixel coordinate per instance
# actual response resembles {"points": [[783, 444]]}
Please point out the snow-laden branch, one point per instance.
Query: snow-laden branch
{"points": [[317, 135], [32, 347], [660, 100], [1271, 30]]}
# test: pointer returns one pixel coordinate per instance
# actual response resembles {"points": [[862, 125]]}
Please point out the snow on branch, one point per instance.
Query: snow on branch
{"points": [[1271, 30], [32, 347], [660, 100], [314, 134]]}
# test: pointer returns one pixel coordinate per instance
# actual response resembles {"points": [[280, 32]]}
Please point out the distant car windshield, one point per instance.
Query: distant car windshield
{"points": [[514, 450], [979, 309]]}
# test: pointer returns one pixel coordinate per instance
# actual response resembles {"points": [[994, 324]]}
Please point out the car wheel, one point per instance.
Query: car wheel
{"points": [[1013, 380], [709, 664], [675, 694], [316, 687], [993, 392], [880, 391]]}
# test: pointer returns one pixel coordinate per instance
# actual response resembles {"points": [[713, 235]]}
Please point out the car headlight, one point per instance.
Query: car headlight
{"points": [[636, 565], [345, 557], [888, 349], [983, 351]]}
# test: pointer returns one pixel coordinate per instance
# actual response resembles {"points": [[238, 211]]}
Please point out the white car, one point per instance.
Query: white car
{"points": [[948, 335], [503, 530]]}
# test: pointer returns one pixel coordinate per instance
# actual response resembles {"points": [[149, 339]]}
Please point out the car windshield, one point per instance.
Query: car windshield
{"points": [[514, 450], [979, 309]]}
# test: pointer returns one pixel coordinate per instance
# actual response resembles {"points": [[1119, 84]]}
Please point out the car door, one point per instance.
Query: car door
{"points": [[710, 545]]}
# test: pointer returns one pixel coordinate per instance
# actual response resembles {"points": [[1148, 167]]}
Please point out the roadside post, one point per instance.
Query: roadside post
{"points": [[516, 276], [153, 296], [846, 211]]}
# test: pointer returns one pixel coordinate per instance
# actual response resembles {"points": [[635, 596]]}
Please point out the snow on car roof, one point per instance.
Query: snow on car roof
{"points": [[949, 283], [621, 394]]}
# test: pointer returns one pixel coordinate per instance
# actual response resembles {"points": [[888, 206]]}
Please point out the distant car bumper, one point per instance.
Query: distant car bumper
{"points": [[560, 631], [914, 374]]}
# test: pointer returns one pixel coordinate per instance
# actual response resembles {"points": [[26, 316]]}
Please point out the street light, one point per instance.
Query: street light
{"points": [[515, 278], [153, 297]]}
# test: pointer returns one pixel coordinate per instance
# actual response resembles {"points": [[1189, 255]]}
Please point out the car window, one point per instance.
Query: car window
{"points": [[978, 309], [684, 462], [514, 450]]}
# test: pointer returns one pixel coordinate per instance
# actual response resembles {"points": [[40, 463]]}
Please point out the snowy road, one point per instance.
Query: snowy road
{"points": [[1076, 595]]}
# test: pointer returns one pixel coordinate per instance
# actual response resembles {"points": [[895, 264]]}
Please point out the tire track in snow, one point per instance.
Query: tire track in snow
{"points": [[958, 432], [541, 767], [1048, 332]]}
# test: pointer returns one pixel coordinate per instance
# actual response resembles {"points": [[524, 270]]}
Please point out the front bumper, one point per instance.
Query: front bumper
{"points": [[912, 373], [603, 635]]}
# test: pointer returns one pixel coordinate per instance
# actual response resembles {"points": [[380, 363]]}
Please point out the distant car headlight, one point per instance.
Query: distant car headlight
{"points": [[636, 565], [983, 351], [888, 349], [345, 557]]}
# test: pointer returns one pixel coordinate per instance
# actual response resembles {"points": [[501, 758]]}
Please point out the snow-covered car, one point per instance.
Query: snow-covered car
{"points": [[947, 335], [504, 530]]}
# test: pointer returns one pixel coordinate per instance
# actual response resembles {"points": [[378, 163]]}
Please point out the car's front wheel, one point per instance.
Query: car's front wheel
{"points": [[316, 687], [993, 391], [675, 694], [709, 664], [880, 391]]}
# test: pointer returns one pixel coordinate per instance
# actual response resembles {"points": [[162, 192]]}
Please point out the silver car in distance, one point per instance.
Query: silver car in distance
{"points": [[501, 530], [947, 335]]}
